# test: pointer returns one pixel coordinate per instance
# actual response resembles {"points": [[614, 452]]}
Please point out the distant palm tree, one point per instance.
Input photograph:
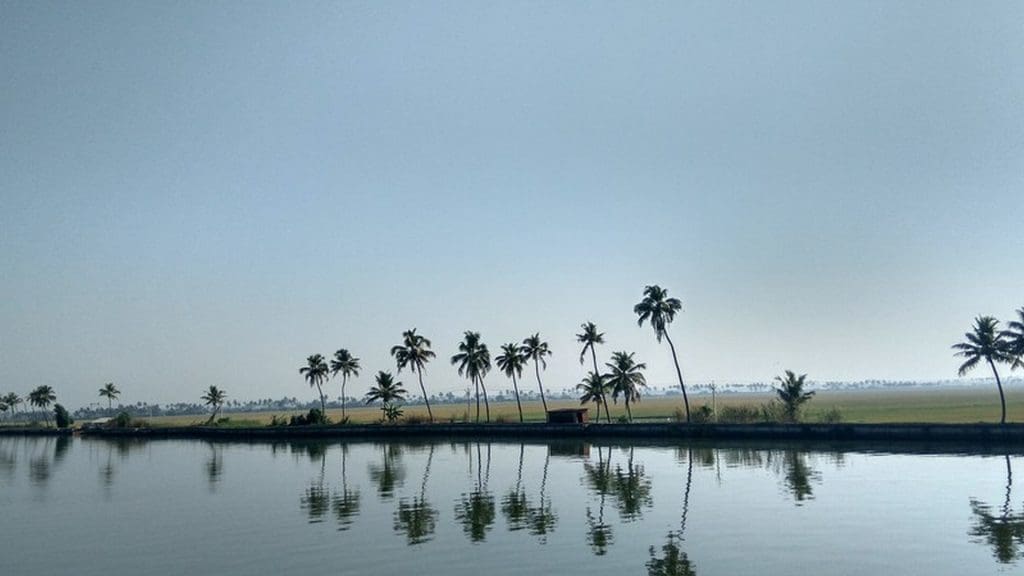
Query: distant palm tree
{"points": [[474, 362], [660, 310], [511, 362], [214, 398], [536, 350], [414, 352], [110, 392], [346, 364], [3, 406], [986, 343], [1014, 335], [41, 398], [12, 400], [626, 378], [316, 372], [592, 389], [791, 393], [387, 391], [590, 337]]}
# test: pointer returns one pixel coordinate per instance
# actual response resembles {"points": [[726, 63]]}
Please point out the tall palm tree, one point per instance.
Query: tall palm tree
{"points": [[1014, 335], [316, 372], [414, 352], [387, 391], [474, 362], [626, 378], [660, 310], [110, 392], [3, 406], [214, 398], [590, 337], [12, 399], [346, 364], [985, 343], [511, 362], [536, 350], [791, 393], [41, 398], [592, 389]]}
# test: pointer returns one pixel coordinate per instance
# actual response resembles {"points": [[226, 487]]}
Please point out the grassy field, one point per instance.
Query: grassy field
{"points": [[937, 405]]}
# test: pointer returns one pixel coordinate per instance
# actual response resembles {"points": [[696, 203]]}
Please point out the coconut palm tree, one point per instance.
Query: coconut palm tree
{"points": [[511, 362], [626, 378], [388, 392], [536, 350], [657, 308], [12, 400], [316, 372], [41, 398], [791, 393], [474, 362], [590, 337], [414, 352], [1014, 335], [347, 365], [214, 398], [3, 406], [592, 389], [110, 392], [986, 343]]}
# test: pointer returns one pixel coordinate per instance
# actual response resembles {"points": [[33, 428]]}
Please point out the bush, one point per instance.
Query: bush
{"points": [[739, 415], [391, 412], [416, 419], [122, 420], [622, 420], [276, 420], [678, 414], [702, 415], [502, 419], [313, 417], [833, 416], [774, 412], [61, 416]]}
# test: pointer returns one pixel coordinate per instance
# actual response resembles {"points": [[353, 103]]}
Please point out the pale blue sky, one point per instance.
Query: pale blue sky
{"points": [[198, 193]]}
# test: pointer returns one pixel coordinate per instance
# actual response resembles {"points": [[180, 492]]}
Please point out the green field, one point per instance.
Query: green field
{"points": [[935, 405]]}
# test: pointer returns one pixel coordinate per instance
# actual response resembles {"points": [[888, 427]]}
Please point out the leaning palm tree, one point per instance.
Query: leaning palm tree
{"points": [[986, 343], [791, 393], [316, 372], [41, 398], [626, 378], [536, 350], [12, 400], [660, 310], [511, 362], [214, 398], [592, 389], [110, 392], [414, 352], [1014, 335], [474, 362], [346, 364], [590, 337], [387, 391]]}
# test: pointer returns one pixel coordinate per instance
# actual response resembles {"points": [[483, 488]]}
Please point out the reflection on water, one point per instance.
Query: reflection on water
{"points": [[1003, 530], [415, 517], [475, 511], [390, 474], [672, 561]]}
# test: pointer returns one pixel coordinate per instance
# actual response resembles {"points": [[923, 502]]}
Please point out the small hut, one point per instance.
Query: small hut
{"points": [[568, 416]]}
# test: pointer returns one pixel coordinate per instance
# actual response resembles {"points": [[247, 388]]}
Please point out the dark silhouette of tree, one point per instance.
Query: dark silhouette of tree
{"points": [[41, 398], [661, 310], [1014, 336], [1002, 530], [626, 379], [590, 338], [315, 372], [536, 350], [791, 393], [12, 400], [474, 362], [214, 398], [415, 517], [476, 510], [592, 389], [986, 343], [110, 392], [511, 362], [414, 352], [388, 392], [347, 365]]}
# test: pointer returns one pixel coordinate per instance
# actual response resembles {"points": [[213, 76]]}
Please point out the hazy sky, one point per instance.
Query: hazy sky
{"points": [[196, 193]]}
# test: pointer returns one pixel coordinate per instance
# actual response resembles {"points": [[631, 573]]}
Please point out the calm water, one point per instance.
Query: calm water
{"points": [[95, 507]]}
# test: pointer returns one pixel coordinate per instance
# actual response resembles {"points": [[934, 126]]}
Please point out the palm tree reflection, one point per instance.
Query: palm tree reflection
{"points": [[514, 504], [599, 479], [1002, 530], [632, 490], [541, 519], [214, 467], [415, 517], [673, 561], [346, 503], [475, 511], [389, 475]]}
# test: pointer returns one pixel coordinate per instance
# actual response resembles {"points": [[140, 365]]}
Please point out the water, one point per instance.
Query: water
{"points": [[95, 507]]}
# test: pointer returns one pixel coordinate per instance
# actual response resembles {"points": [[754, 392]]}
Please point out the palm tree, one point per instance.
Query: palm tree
{"points": [[41, 398], [3, 406], [626, 379], [511, 362], [12, 399], [660, 310], [1014, 335], [388, 392], [316, 372], [214, 398], [347, 365], [414, 352], [590, 337], [110, 392], [536, 350], [592, 389], [474, 362], [985, 343], [791, 393]]}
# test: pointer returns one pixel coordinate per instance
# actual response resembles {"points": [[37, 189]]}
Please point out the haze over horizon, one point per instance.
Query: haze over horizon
{"points": [[197, 193]]}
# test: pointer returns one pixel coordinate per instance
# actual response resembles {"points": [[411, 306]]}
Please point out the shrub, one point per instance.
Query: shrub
{"points": [[622, 420], [774, 412], [61, 416], [678, 414], [702, 415], [502, 419], [122, 420], [391, 412], [416, 419], [833, 416], [739, 414], [314, 416], [276, 420]]}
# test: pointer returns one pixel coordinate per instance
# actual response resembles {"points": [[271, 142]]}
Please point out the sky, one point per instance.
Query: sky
{"points": [[205, 193]]}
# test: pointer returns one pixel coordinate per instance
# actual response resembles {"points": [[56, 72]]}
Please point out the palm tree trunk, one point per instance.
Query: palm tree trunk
{"points": [[344, 380], [999, 383], [679, 373], [607, 414], [536, 368], [487, 406], [323, 405], [518, 404], [419, 373], [476, 383], [629, 412]]}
